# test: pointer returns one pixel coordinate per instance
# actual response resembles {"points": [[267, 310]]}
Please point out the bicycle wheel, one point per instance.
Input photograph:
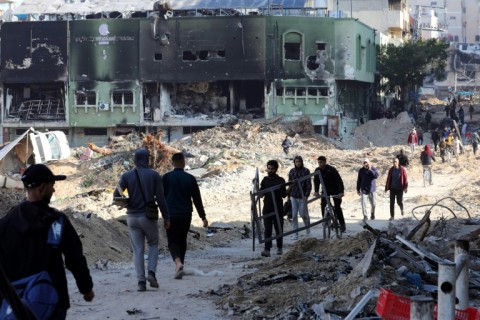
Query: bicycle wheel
{"points": [[327, 224]]}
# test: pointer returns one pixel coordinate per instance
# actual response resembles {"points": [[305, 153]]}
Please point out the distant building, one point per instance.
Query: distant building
{"points": [[183, 70]]}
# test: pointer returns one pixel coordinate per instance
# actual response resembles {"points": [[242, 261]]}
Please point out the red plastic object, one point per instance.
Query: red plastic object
{"points": [[393, 307], [467, 314]]}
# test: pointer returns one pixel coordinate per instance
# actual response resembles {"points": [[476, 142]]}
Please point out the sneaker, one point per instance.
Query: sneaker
{"points": [[372, 217], [365, 218], [142, 286], [179, 273], [266, 253], [402, 213], [152, 279], [279, 251], [391, 218], [343, 228]]}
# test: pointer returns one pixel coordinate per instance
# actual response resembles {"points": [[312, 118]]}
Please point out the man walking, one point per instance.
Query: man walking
{"points": [[412, 140], [435, 138], [24, 249], [334, 187], [367, 187], [403, 159], [274, 220], [144, 185], [181, 189], [299, 193], [397, 183]]}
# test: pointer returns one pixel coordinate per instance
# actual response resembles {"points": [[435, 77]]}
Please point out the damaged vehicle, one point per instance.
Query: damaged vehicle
{"points": [[29, 148]]}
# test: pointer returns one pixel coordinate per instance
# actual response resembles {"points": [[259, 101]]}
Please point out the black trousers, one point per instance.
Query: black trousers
{"points": [[395, 194], [337, 207], [177, 236], [269, 224]]}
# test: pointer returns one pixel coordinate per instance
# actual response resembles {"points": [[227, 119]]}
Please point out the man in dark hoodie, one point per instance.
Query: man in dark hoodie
{"points": [[181, 189], [367, 187], [24, 249], [144, 185], [334, 187], [299, 193]]}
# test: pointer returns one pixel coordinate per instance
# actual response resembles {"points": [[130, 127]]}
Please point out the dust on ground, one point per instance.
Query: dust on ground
{"points": [[312, 274]]}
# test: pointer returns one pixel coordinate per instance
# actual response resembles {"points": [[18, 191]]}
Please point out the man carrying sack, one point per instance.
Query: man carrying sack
{"points": [[145, 187]]}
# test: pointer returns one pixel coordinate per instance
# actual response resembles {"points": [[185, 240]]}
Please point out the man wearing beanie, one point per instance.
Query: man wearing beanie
{"points": [[366, 187]]}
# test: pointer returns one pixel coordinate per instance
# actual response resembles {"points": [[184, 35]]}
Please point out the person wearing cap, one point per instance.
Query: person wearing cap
{"points": [[334, 186], [24, 250], [144, 185], [367, 187], [299, 192]]}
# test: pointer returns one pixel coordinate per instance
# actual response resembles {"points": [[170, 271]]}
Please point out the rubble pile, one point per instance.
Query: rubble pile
{"points": [[318, 277], [380, 133]]}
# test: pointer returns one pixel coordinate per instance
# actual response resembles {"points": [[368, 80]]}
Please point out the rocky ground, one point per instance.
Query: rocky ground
{"points": [[227, 278]]}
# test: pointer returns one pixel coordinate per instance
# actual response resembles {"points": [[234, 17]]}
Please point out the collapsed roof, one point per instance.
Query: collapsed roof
{"points": [[88, 6]]}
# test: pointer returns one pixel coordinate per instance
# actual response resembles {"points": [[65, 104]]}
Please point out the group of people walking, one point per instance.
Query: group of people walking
{"points": [[174, 194], [36, 238], [298, 189]]}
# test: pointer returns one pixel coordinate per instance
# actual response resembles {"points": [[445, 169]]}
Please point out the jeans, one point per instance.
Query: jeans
{"points": [[300, 207], [363, 200], [140, 228]]}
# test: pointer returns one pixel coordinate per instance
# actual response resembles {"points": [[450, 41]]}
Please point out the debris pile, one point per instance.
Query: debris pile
{"points": [[331, 277]]}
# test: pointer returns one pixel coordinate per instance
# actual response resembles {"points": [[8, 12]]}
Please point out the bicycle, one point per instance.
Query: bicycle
{"points": [[427, 175], [330, 220]]}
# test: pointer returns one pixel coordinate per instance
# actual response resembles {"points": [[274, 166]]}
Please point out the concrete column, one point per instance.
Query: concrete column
{"points": [[446, 291], [462, 283], [421, 308]]}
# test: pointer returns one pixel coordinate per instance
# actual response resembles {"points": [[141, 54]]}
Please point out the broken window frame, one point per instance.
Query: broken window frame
{"points": [[302, 93], [293, 37], [203, 55], [88, 95], [123, 104]]}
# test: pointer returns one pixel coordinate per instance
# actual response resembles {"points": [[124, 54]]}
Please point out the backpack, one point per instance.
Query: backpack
{"points": [[37, 291]]}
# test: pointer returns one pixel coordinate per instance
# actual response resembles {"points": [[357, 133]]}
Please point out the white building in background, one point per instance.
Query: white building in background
{"points": [[460, 18], [389, 17]]}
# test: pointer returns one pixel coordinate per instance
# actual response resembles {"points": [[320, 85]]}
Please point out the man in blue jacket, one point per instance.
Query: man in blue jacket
{"points": [[144, 185], [181, 189], [366, 187]]}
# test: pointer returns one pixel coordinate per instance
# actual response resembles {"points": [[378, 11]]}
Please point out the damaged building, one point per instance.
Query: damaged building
{"points": [[183, 69]]}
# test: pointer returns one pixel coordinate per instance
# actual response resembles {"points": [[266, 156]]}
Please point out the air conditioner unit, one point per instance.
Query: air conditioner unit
{"points": [[103, 106]]}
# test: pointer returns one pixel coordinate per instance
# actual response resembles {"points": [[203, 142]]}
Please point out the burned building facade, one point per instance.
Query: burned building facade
{"points": [[100, 77]]}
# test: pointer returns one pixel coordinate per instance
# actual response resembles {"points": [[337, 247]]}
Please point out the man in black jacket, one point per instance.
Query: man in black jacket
{"points": [[334, 187], [24, 250], [275, 220], [181, 189], [403, 159]]}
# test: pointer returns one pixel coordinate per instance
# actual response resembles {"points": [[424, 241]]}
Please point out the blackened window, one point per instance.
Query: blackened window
{"points": [[122, 97], [292, 51], [95, 131], [85, 98]]}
